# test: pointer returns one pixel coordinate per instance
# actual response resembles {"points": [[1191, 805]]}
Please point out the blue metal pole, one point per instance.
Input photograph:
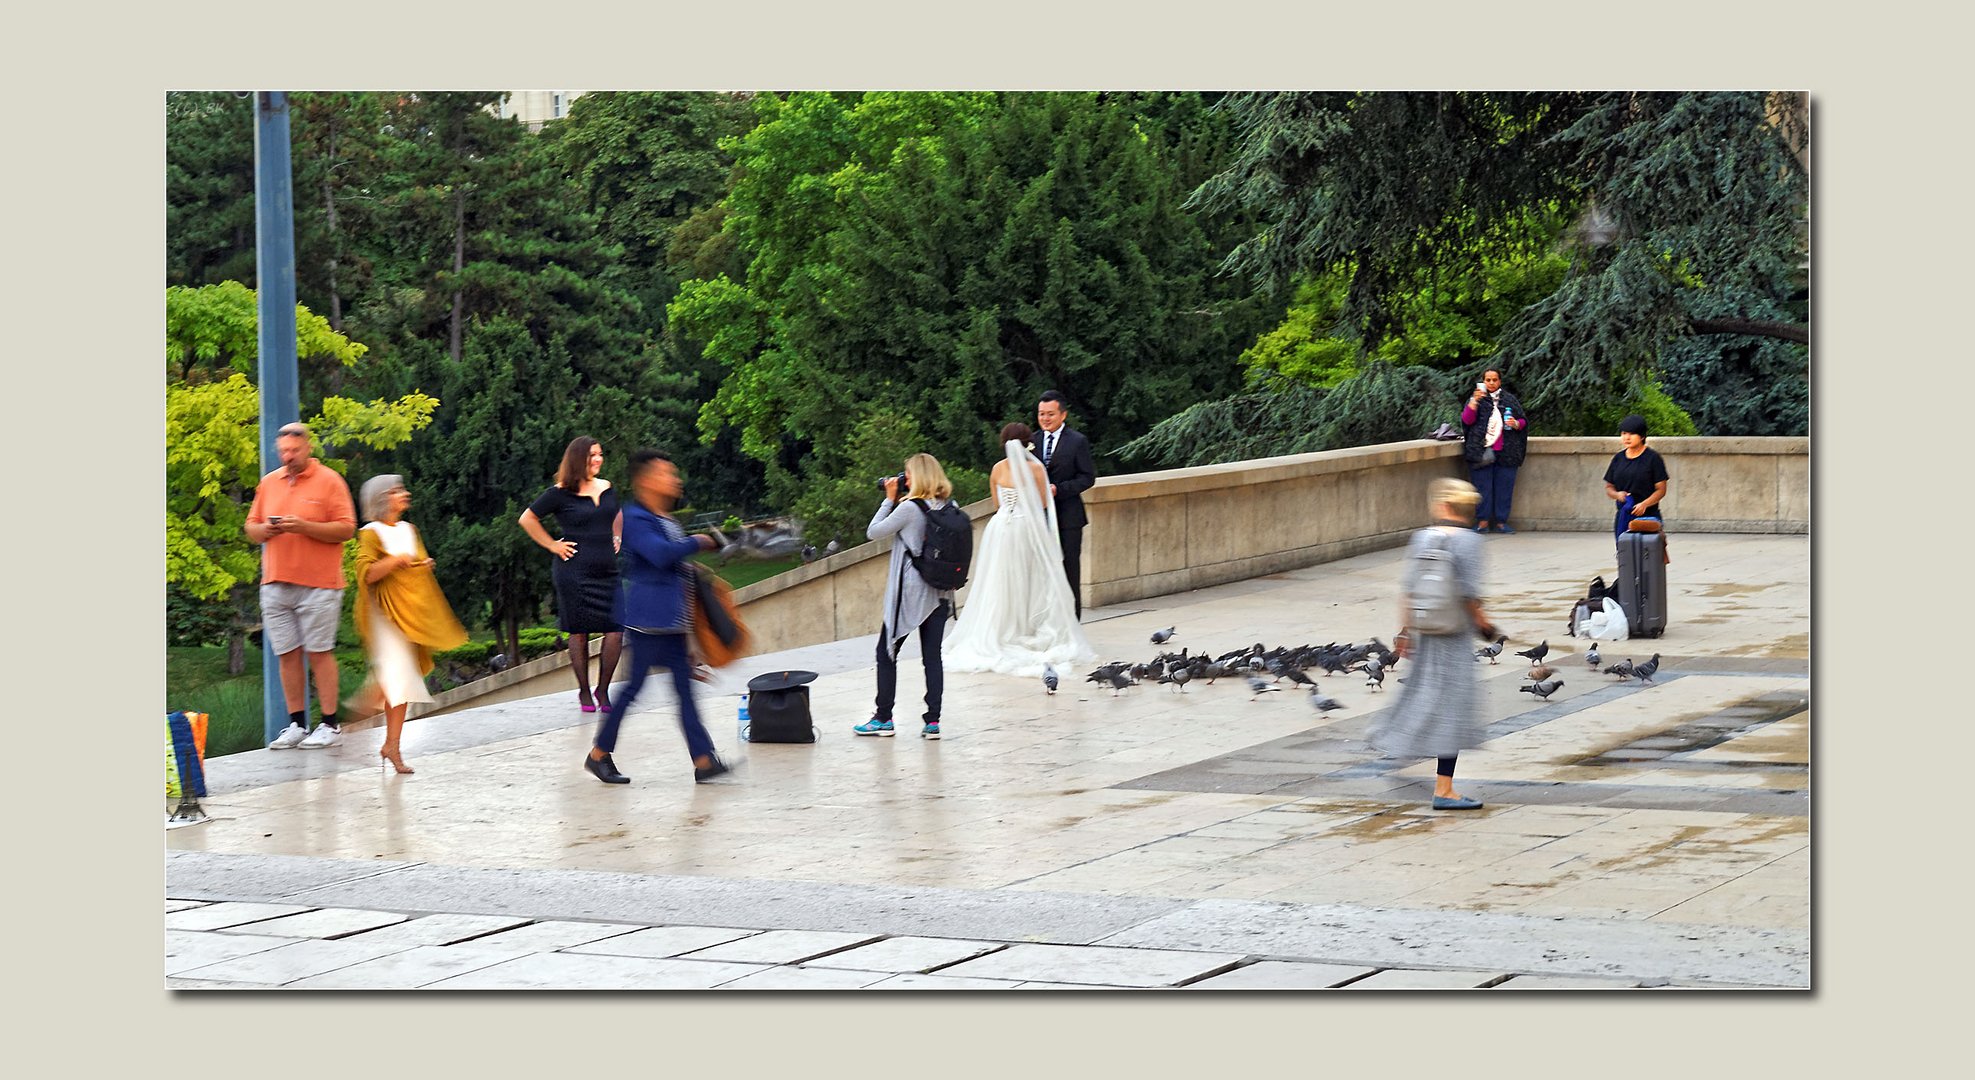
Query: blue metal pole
{"points": [[274, 261]]}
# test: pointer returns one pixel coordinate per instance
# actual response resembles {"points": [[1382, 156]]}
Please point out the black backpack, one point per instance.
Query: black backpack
{"points": [[949, 546], [778, 708]]}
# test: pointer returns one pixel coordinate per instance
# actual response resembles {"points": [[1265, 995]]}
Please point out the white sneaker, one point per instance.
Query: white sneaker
{"points": [[290, 737], [322, 736]]}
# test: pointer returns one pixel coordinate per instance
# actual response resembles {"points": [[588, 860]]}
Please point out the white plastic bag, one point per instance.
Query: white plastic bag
{"points": [[1607, 624]]}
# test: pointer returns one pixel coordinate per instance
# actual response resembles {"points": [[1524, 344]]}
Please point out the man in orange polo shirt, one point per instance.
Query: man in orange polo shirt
{"points": [[301, 515]]}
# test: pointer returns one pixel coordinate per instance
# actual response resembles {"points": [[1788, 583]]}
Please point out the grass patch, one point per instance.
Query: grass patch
{"points": [[747, 571]]}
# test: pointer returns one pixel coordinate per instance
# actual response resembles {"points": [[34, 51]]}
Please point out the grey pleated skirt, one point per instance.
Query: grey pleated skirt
{"points": [[1438, 708]]}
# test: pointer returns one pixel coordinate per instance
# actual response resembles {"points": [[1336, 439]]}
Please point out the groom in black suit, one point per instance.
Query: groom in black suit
{"points": [[1066, 457]]}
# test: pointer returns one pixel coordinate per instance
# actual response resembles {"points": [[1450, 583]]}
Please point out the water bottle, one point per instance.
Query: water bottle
{"points": [[740, 731]]}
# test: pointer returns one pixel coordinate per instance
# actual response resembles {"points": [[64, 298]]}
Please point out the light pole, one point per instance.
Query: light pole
{"points": [[274, 263]]}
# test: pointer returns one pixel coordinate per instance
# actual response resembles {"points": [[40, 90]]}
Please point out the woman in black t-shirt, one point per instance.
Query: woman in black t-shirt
{"points": [[1636, 478], [584, 506]]}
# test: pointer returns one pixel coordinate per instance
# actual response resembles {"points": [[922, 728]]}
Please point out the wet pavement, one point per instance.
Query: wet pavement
{"points": [[1633, 834]]}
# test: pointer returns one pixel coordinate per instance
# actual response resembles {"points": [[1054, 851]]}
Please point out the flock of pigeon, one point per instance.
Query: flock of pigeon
{"points": [[1264, 669]]}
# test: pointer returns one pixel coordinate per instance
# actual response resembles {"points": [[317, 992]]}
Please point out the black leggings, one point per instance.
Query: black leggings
{"points": [[930, 633], [1447, 766]]}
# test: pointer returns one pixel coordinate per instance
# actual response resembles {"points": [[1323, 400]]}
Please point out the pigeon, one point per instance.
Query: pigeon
{"points": [[1622, 669], [1592, 658], [1539, 673], [1492, 651], [809, 553], [1260, 686], [1374, 675], [1179, 677], [1049, 679], [1104, 673], [1537, 653], [1296, 676], [832, 547], [1119, 680], [1644, 672], [1160, 637], [1543, 689], [775, 538], [1324, 702], [498, 661]]}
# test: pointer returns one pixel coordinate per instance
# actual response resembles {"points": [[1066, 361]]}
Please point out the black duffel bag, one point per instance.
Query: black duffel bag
{"points": [[778, 708]]}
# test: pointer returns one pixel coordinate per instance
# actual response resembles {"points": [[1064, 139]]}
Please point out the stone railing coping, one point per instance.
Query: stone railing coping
{"points": [[1265, 470], [1245, 473]]}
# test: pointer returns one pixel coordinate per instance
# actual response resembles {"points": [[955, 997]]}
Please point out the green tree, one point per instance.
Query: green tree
{"points": [[646, 162], [209, 187], [337, 140], [653, 168], [1686, 208], [948, 257]]}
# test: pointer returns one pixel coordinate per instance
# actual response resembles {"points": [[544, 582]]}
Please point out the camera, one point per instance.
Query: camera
{"points": [[902, 483]]}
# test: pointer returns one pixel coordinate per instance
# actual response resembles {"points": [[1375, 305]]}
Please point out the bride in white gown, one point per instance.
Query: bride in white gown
{"points": [[1019, 615]]}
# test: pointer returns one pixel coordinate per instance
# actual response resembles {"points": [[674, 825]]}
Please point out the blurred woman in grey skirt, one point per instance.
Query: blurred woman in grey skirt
{"points": [[1438, 711]]}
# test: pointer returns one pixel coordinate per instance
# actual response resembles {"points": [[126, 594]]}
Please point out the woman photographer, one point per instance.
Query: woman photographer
{"points": [[1496, 440], [911, 604]]}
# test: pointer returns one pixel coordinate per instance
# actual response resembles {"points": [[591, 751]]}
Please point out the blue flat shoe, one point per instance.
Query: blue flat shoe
{"points": [[1509, 529], [1441, 802]]}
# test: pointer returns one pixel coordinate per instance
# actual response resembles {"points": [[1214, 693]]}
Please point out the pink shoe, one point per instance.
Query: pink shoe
{"points": [[584, 703]]}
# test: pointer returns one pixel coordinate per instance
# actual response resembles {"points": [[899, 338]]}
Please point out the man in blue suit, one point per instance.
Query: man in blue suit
{"points": [[1066, 457]]}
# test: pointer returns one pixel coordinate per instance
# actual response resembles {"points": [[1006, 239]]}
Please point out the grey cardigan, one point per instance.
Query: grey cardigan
{"points": [[908, 599]]}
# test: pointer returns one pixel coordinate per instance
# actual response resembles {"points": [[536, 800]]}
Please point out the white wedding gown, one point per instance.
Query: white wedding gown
{"points": [[1019, 615]]}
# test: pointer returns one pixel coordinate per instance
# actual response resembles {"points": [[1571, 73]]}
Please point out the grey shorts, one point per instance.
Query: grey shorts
{"points": [[299, 617]]}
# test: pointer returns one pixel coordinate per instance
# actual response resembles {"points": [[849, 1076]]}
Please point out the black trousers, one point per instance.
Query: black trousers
{"points": [[1073, 553]]}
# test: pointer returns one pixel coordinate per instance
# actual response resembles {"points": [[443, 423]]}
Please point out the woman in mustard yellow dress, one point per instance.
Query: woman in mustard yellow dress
{"points": [[401, 614]]}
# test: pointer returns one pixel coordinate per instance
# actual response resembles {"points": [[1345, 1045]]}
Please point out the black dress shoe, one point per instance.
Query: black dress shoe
{"points": [[605, 769], [714, 768]]}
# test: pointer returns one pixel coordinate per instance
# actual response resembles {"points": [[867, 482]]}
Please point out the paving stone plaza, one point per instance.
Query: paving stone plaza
{"points": [[1634, 836]]}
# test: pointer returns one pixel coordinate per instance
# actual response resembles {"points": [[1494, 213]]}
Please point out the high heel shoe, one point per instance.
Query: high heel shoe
{"points": [[584, 702], [603, 701], [389, 755]]}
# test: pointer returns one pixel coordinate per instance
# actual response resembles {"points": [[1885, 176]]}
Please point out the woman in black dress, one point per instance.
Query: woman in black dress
{"points": [[585, 508]]}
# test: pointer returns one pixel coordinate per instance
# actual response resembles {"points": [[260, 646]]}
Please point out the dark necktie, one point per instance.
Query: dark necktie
{"points": [[1049, 448]]}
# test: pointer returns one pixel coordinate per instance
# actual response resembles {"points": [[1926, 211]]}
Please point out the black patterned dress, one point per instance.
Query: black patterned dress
{"points": [[586, 582]]}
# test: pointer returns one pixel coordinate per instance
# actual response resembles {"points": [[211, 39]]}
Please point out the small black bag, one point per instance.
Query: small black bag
{"points": [[1592, 604], [778, 708]]}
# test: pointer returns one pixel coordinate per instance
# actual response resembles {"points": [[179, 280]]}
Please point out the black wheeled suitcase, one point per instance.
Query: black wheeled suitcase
{"points": [[1642, 582]]}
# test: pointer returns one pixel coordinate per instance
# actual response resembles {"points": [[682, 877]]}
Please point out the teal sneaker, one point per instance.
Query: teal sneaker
{"points": [[874, 726], [931, 730]]}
